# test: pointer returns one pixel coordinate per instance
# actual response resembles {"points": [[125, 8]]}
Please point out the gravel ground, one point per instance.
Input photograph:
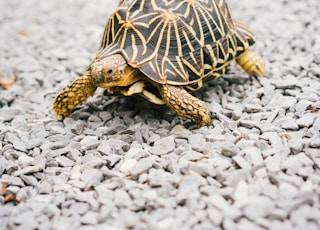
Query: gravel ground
{"points": [[124, 163]]}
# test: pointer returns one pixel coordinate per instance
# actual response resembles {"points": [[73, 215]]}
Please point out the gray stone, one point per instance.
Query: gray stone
{"points": [[290, 124], [89, 142], [229, 149], [315, 142], [296, 145], [45, 187], [29, 170], [92, 176], [181, 131], [258, 207], [141, 167], [90, 218], [249, 124], [122, 199], [197, 142], [29, 180], [118, 146], [57, 129], [104, 148], [88, 197], [189, 186], [127, 166], [64, 161], [163, 146], [306, 120], [252, 108], [241, 162]]}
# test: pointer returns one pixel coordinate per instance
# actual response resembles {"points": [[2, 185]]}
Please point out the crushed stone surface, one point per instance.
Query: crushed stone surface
{"points": [[123, 163]]}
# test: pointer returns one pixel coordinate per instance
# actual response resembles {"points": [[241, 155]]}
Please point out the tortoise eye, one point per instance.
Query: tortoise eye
{"points": [[110, 71]]}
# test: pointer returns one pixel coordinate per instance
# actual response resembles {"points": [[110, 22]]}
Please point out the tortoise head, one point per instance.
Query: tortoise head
{"points": [[112, 71]]}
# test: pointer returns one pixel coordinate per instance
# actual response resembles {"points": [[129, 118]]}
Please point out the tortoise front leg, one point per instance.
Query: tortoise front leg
{"points": [[72, 95], [184, 104]]}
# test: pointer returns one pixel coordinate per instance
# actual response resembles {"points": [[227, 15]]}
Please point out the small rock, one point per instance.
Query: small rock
{"points": [[296, 145], [254, 155], [306, 120], [104, 148], [58, 129], [260, 206], [197, 142], [163, 146], [44, 187], [219, 202], [64, 161], [92, 176], [87, 197], [141, 167], [241, 162], [90, 218], [29, 170], [29, 180], [25, 160], [252, 108], [127, 166], [229, 149], [118, 146], [181, 131], [315, 142], [215, 137], [122, 199], [249, 124], [289, 82], [236, 114], [290, 124], [89, 142]]}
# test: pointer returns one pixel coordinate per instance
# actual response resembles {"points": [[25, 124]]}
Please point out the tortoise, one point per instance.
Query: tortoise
{"points": [[163, 50]]}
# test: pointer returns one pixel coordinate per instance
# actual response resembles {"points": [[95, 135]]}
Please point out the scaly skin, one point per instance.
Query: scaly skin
{"points": [[75, 93], [251, 63], [184, 104]]}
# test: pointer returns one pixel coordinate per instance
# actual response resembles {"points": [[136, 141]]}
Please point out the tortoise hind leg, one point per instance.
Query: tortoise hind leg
{"points": [[72, 95], [184, 104], [251, 63]]}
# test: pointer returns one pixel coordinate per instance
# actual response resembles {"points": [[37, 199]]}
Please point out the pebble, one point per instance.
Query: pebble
{"points": [[163, 146], [64, 161], [127, 166], [89, 142], [92, 176], [229, 149], [306, 120], [252, 108], [104, 147], [198, 142], [290, 124], [141, 167], [241, 162], [90, 218]]}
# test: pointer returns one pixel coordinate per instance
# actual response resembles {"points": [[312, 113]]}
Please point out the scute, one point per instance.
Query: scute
{"points": [[176, 41]]}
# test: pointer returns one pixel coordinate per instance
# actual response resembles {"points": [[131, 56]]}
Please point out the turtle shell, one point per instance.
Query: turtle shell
{"points": [[175, 42]]}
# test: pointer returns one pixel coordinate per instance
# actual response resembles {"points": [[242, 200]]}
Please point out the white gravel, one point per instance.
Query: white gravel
{"points": [[123, 163]]}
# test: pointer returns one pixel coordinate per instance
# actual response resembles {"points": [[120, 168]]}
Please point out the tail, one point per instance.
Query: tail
{"points": [[72, 95]]}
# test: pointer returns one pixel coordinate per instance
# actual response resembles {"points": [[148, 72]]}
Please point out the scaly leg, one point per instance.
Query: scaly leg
{"points": [[184, 104], [251, 63], [72, 95]]}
